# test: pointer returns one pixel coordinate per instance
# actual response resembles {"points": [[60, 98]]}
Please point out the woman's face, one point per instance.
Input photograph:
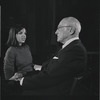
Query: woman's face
{"points": [[21, 36]]}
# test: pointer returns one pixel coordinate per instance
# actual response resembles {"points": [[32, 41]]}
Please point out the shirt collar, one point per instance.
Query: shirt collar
{"points": [[69, 41]]}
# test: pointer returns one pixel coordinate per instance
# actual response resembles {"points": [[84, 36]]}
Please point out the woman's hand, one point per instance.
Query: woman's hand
{"points": [[16, 77]]}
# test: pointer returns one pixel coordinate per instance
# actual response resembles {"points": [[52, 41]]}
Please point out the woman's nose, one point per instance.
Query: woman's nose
{"points": [[24, 35]]}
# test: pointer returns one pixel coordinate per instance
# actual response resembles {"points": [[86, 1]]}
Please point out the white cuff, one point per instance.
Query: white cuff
{"points": [[21, 81]]}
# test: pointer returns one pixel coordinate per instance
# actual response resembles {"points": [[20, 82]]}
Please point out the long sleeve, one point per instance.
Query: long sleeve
{"points": [[19, 58], [9, 61], [70, 62]]}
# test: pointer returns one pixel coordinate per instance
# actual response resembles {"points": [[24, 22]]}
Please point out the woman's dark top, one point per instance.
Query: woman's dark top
{"points": [[18, 58]]}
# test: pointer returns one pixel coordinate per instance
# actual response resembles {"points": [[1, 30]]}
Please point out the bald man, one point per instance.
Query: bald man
{"points": [[56, 77]]}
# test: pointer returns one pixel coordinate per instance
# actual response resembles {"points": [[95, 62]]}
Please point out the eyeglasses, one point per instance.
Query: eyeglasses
{"points": [[62, 27]]}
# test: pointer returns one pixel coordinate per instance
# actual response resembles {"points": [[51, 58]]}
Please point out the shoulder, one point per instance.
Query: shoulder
{"points": [[26, 46], [75, 47], [11, 50], [80, 46]]}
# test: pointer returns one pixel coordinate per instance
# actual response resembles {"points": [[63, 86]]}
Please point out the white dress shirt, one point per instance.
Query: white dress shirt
{"points": [[69, 41]]}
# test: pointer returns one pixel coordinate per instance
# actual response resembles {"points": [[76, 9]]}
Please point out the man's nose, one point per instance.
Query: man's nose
{"points": [[56, 32]]}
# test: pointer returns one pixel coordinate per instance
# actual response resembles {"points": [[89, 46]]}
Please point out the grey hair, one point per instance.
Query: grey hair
{"points": [[73, 22]]}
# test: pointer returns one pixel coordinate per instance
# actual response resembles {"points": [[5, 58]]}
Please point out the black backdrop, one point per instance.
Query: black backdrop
{"points": [[41, 18]]}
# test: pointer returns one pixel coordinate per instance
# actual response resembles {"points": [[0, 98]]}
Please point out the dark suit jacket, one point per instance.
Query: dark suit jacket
{"points": [[57, 75]]}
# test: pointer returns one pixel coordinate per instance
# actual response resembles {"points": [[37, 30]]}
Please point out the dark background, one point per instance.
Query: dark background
{"points": [[41, 18]]}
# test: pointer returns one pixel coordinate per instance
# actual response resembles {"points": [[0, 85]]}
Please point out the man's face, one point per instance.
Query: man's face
{"points": [[62, 32]]}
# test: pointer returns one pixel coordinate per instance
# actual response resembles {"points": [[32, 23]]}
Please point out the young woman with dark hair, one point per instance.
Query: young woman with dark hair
{"points": [[18, 58]]}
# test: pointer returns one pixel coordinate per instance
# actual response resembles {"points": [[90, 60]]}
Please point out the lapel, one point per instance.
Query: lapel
{"points": [[73, 43]]}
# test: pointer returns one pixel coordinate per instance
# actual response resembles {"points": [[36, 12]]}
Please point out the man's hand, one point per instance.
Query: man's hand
{"points": [[37, 67]]}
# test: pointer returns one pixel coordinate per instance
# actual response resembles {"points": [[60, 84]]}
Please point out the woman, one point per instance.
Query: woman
{"points": [[18, 58]]}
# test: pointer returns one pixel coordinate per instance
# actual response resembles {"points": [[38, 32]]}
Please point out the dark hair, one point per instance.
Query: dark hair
{"points": [[12, 41]]}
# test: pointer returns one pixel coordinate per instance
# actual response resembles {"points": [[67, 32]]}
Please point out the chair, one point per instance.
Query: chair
{"points": [[76, 79]]}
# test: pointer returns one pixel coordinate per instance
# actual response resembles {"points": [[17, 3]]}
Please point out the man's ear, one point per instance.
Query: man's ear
{"points": [[72, 30]]}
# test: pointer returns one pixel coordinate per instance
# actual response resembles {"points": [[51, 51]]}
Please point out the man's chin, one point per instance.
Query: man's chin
{"points": [[23, 41], [58, 40]]}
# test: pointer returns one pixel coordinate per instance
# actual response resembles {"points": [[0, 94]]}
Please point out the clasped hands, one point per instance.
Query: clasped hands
{"points": [[16, 77]]}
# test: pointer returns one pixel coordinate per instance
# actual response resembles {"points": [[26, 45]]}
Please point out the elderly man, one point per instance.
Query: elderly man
{"points": [[56, 77]]}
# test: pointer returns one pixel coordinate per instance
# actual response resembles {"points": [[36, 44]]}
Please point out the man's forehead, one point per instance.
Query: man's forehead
{"points": [[63, 23]]}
